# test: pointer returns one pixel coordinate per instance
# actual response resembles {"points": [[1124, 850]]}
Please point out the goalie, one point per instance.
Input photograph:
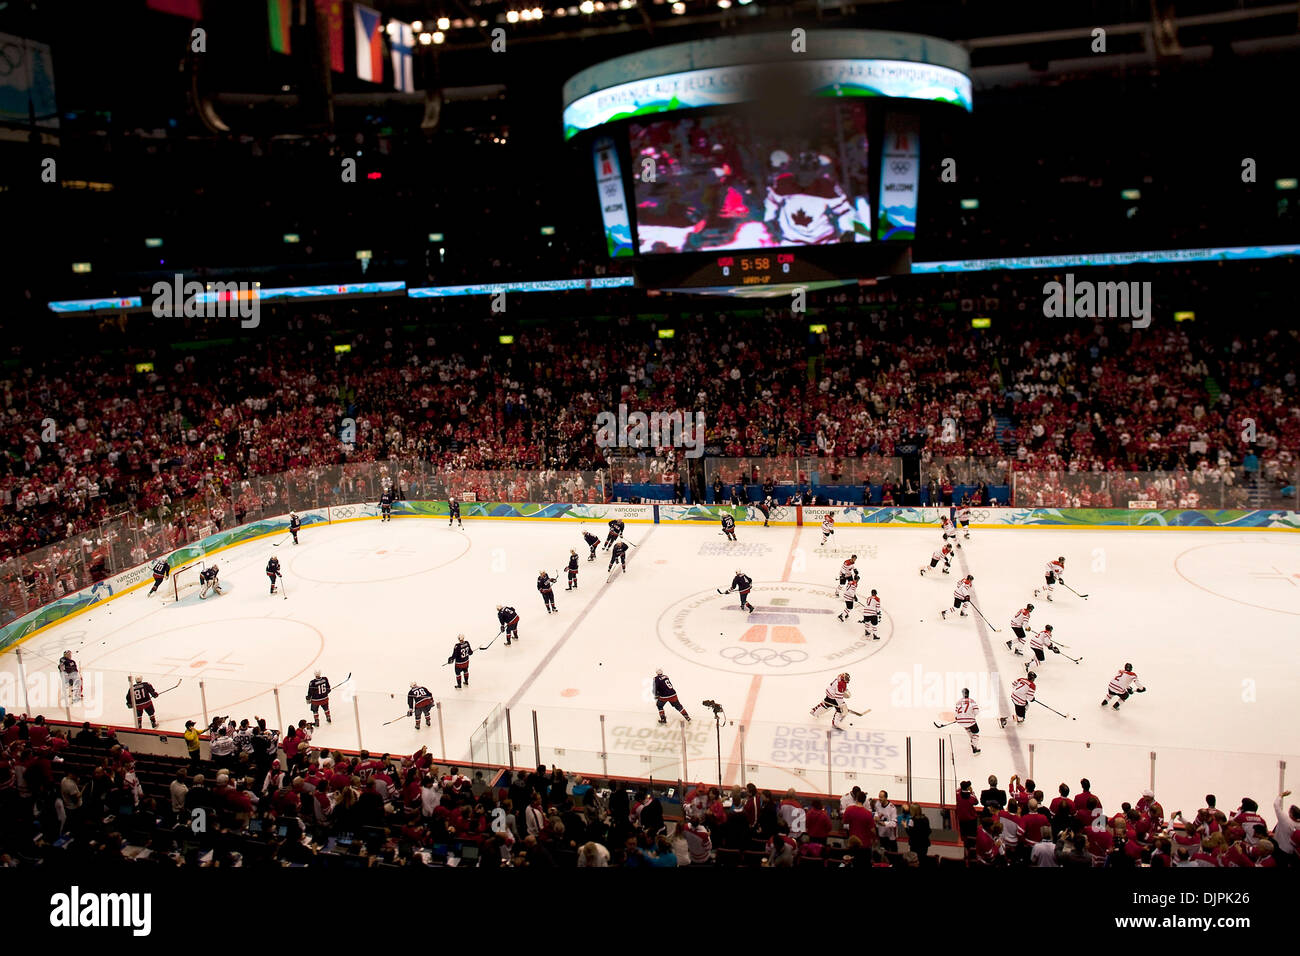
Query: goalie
{"points": [[208, 582], [71, 677], [837, 692]]}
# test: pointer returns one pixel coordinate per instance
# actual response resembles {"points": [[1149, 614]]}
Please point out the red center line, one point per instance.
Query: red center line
{"points": [[751, 699]]}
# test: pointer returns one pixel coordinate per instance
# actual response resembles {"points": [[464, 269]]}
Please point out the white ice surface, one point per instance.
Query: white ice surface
{"points": [[1209, 620]]}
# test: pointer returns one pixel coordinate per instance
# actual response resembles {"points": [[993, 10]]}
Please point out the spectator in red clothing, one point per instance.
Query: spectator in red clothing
{"points": [[1032, 823], [967, 812], [818, 822], [1085, 794], [1064, 798], [859, 822]]}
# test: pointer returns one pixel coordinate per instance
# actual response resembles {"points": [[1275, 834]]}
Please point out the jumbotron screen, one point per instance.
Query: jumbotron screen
{"points": [[740, 181]]}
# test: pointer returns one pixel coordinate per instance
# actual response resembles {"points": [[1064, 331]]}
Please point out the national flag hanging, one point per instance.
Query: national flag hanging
{"points": [[402, 38], [279, 14], [182, 8], [334, 24], [370, 45]]}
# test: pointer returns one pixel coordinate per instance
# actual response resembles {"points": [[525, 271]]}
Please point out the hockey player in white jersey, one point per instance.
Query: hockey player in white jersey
{"points": [[1053, 574], [943, 554], [965, 712], [960, 597], [871, 613], [804, 204], [850, 597], [1040, 643], [837, 692], [949, 531], [848, 572], [1023, 690], [828, 529], [1019, 623], [1122, 686]]}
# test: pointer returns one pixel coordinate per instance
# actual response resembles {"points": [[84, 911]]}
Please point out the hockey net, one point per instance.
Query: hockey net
{"points": [[185, 580]]}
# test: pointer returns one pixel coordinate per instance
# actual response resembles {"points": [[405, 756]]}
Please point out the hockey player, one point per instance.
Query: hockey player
{"points": [[949, 531], [1018, 624], [544, 582], [743, 583], [208, 582], [386, 505], [460, 654], [850, 598], [161, 569], [419, 702], [140, 698], [965, 712], [295, 524], [1122, 686], [618, 556], [963, 516], [318, 695], [273, 571], [766, 506], [453, 512], [943, 554], [1053, 573], [71, 677], [1022, 695], [960, 597], [615, 532], [509, 619], [1040, 643], [665, 694], [572, 570], [592, 542], [805, 205], [837, 692], [871, 612], [828, 529], [848, 572], [729, 527]]}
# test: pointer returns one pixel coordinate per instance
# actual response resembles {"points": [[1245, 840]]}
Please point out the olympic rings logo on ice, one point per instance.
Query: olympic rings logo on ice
{"points": [[762, 655]]}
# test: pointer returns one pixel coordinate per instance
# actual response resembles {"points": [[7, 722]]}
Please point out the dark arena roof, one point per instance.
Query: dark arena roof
{"points": [[582, 280]]}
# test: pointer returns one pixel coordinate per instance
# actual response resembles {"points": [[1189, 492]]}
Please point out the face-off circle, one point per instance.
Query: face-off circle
{"points": [[793, 631]]}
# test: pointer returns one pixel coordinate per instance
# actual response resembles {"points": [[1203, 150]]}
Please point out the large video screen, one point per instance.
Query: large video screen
{"points": [[746, 181]]}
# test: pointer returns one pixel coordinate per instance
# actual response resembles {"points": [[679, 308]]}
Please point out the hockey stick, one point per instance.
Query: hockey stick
{"points": [[986, 620], [493, 641], [395, 720], [276, 544], [621, 538], [720, 591], [1071, 590], [1077, 660], [1054, 710], [173, 687], [283, 590], [858, 713], [342, 682], [948, 724]]}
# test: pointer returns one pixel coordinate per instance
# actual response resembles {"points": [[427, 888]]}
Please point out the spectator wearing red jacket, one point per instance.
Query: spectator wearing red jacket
{"points": [[859, 822], [967, 811], [818, 822]]}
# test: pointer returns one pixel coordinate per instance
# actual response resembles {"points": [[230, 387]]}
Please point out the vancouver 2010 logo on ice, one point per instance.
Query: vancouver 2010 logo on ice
{"points": [[708, 628]]}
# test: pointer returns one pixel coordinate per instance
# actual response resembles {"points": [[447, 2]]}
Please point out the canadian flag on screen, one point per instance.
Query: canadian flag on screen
{"points": [[370, 45]]}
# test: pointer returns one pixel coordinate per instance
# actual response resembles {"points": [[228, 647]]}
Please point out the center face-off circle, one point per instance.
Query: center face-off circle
{"points": [[793, 631]]}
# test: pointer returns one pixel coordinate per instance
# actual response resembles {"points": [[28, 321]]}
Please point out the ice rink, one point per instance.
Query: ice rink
{"points": [[1207, 618]]}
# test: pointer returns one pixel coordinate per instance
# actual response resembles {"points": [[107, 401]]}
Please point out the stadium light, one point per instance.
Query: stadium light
{"points": [[439, 37], [152, 243], [818, 329], [667, 333], [364, 254], [983, 322], [435, 237], [81, 267], [426, 39], [548, 230], [340, 349], [506, 339], [444, 23], [586, 6], [291, 237], [144, 367], [679, 8], [417, 25], [1286, 183], [1132, 195], [512, 16], [1184, 316], [970, 204]]}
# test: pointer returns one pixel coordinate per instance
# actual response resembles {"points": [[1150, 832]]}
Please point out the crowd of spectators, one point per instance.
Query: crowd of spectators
{"points": [[279, 419], [265, 799]]}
